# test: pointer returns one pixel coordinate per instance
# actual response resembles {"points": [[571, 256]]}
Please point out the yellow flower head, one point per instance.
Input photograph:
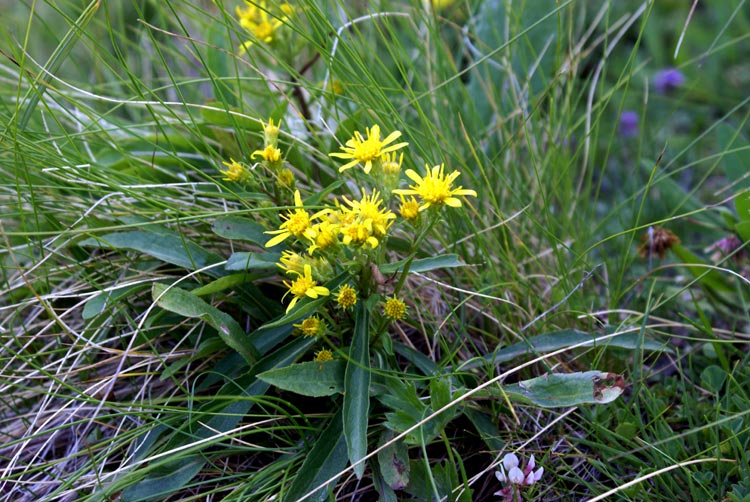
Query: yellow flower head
{"points": [[312, 326], [347, 297], [255, 18], [392, 166], [296, 223], [435, 188], [271, 132], [322, 235], [409, 209], [304, 286], [323, 356], [358, 233], [234, 171], [369, 149], [270, 154], [285, 178], [368, 209], [394, 309], [292, 262]]}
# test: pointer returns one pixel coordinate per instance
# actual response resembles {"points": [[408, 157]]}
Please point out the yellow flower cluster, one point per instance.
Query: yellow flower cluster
{"points": [[260, 21], [349, 231]]}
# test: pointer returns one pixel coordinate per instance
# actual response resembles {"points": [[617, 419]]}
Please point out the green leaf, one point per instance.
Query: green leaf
{"points": [[557, 390], [713, 378], [357, 390], [239, 228], [556, 340], [224, 283], [172, 248], [424, 264], [99, 303], [252, 261], [187, 304], [325, 461], [393, 461], [312, 378]]}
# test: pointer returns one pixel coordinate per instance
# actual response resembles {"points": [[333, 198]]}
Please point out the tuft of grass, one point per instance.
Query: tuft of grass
{"points": [[135, 329]]}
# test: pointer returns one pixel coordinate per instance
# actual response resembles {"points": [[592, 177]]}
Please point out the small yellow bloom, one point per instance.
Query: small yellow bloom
{"points": [[409, 209], [322, 235], [256, 19], [285, 178], [304, 286], [292, 262], [391, 166], [368, 209], [312, 326], [366, 150], [394, 309], [270, 154], [347, 297], [234, 171], [358, 233], [323, 356], [271, 132], [296, 223], [435, 188]]}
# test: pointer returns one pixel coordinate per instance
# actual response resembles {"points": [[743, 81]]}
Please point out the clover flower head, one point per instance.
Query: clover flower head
{"points": [[367, 149], [435, 188], [515, 478], [347, 297], [394, 309], [304, 286], [234, 171]]}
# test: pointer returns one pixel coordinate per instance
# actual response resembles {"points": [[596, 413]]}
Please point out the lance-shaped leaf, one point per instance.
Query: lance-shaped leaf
{"points": [[566, 389], [311, 378], [357, 390], [187, 304]]}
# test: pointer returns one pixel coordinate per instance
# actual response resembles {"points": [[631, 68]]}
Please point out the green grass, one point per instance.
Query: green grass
{"points": [[116, 118]]}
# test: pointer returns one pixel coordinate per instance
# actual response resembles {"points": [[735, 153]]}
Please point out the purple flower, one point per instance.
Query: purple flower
{"points": [[628, 124], [668, 79]]}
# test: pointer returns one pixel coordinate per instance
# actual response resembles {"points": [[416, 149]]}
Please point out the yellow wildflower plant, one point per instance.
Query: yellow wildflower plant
{"points": [[296, 223], [304, 286], [312, 326], [366, 150], [285, 178], [394, 309], [234, 171], [434, 189], [347, 297], [369, 209], [392, 166]]}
